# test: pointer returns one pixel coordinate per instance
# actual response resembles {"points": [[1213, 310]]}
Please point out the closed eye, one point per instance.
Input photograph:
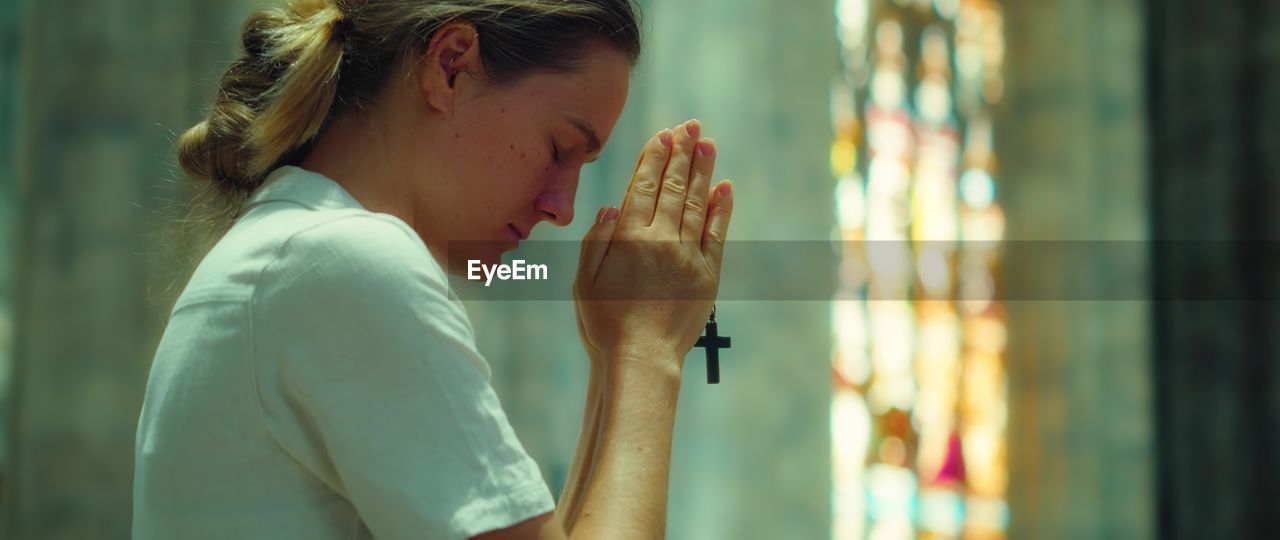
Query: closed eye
{"points": [[555, 153]]}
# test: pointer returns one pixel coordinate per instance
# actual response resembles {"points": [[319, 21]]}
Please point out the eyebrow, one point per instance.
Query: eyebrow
{"points": [[593, 140]]}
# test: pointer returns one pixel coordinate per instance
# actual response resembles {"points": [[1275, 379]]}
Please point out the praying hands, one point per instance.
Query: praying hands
{"points": [[648, 272]]}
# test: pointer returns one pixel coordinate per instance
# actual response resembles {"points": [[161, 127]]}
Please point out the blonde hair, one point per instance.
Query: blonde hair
{"points": [[304, 63]]}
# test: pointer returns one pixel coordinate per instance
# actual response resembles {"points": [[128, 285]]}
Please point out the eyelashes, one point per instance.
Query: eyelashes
{"points": [[558, 158]]}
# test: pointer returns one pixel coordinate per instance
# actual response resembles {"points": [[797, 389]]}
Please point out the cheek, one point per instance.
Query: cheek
{"points": [[503, 184], [524, 169]]}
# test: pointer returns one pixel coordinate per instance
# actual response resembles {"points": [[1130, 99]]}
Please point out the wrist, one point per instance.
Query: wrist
{"points": [[656, 366], [645, 350]]}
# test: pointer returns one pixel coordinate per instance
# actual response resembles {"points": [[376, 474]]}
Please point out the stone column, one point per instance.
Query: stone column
{"points": [[1215, 131], [753, 454], [104, 86], [11, 15], [1072, 143]]}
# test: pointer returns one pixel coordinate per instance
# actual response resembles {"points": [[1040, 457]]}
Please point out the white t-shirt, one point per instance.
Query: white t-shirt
{"points": [[318, 379]]}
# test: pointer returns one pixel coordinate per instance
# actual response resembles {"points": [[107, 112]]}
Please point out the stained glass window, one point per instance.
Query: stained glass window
{"points": [[919, 406]]}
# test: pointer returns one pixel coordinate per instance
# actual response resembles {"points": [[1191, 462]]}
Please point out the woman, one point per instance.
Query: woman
{"points": [[318, 380]]}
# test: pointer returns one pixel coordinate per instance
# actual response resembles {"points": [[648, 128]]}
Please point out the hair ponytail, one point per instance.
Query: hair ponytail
{"points": [[271, 102], [298, 105]]}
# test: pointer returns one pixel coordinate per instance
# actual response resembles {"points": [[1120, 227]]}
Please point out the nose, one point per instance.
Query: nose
{"points": [[556, 203]]}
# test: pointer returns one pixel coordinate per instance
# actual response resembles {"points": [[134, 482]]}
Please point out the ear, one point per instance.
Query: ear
{"points": [[454, 50]]}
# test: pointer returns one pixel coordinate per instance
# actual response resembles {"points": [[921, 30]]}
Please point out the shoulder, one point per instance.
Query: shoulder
{"points": [[356, 285], [355, 251], [359, 239], [358, 265]]}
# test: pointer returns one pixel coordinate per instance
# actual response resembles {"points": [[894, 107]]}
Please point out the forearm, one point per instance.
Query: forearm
{"points": [[584, 457], [626, 490]]}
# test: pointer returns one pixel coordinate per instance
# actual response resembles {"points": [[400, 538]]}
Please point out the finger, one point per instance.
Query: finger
{"points": [[632, 182], [695, 205], [596, 243], [642, 194], [675, 180], [640, 161], [718, 223]]}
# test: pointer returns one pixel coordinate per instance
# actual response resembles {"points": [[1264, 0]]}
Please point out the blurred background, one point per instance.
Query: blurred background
{"points": [[897, 411]]}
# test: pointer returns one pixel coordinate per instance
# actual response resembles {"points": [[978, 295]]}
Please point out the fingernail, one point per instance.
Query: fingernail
{"points": [[665, 137], [693, 127], [725, 190], [706, 149], [600, 214], [610, 214]]}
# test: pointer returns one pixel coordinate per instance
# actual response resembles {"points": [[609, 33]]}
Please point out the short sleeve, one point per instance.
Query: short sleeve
{"points": [[368, 374]]}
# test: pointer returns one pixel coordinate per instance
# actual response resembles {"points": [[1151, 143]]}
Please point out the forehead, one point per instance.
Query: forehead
{"points": [[594, 93]]}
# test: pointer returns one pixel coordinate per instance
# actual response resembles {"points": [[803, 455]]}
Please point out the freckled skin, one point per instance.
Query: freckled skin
{"points": [[435, 158], [491, 190]]}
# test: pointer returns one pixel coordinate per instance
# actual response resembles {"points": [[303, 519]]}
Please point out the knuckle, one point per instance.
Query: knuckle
{"points": [[695, 206], [674, 183], [644, 186]]}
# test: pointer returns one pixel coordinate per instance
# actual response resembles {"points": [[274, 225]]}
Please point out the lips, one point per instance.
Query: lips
{"points": [[519, 235]]}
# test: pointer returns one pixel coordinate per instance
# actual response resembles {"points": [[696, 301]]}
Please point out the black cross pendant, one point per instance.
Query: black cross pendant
{"points": [[713, 342]]}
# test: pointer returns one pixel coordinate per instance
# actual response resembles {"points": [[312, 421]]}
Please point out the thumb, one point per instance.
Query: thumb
{"points": [[596, 243], [717, 228]]}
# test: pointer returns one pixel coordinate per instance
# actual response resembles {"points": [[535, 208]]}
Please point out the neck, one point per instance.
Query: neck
{"points": [[363, 155]]}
